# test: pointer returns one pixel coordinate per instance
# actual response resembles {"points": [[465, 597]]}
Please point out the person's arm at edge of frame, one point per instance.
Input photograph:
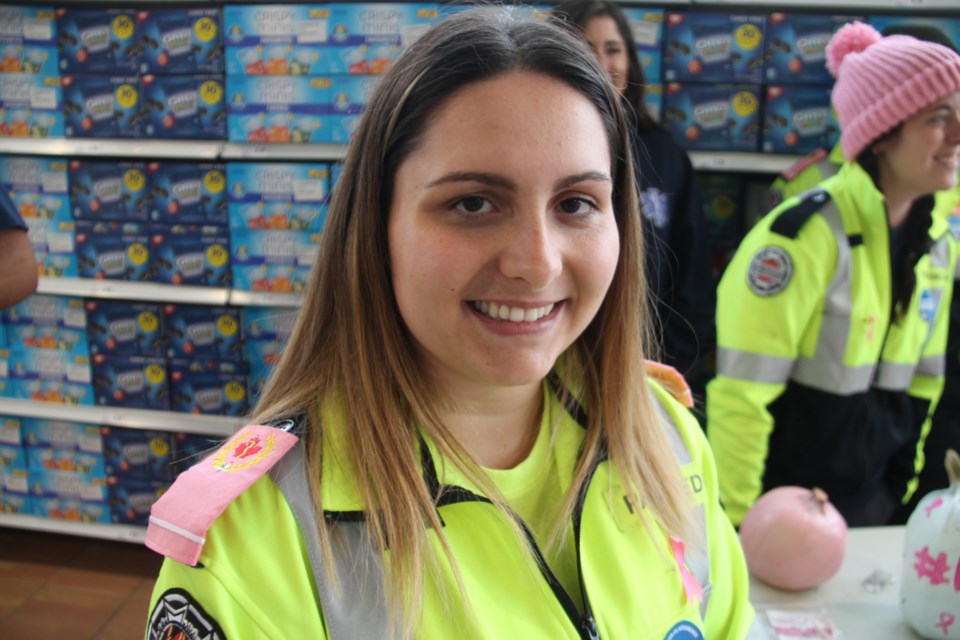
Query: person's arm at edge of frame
{"points": [[18, 266]]}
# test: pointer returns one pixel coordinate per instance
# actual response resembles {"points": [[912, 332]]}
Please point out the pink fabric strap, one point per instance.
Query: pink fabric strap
{"points": [[179, 520], [690, 585], [672, 380]]}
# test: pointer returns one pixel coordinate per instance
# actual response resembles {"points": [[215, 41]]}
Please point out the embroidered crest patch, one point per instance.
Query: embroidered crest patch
{"points": [[178, 616], [245, 450], [770, 271], [684, 630]]}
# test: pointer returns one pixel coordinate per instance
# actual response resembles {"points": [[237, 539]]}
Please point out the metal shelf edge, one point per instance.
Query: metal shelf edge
{"points": [[133, 290], [119, 532], [318, 152], [173, 149], [743, 162], [123, 417], [264, 299]]}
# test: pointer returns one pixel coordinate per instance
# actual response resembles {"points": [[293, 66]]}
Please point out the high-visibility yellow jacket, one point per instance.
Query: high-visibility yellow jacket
{"points": [[816, 386], [259, 573]]}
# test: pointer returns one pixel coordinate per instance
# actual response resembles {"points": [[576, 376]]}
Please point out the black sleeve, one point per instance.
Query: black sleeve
{"points": [[9, 216]]}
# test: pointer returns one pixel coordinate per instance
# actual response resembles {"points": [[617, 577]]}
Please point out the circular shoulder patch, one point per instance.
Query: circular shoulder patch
{"points": [[684, 630], [770, 271], [178, 615]]}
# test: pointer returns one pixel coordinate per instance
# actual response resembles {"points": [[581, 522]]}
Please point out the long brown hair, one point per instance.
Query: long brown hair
{"points": [[350, 348]]}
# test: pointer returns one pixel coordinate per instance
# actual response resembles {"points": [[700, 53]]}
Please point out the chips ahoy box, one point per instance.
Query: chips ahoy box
{"points": [[795, 45], [131, 381], [113, 250], [213, 387], [367, 38], [181, 41], [37, 186], [278, 109], [109, 190], [348, 100], [137, 453], [103, 41], [18, 56], [62, 311], [184, 107], [646, 25], [130, 328], [51, 236], [191, 254], [713, 117], [277, 261], [101, 106], [279, 214], [276, 39], [187, 192], [71, 509], [35, 25], [30, 106], [46, 375], [278, 196], [265, 332], [196, 331], [61, 434], [48, 336], [799, 119], [713, 47]]}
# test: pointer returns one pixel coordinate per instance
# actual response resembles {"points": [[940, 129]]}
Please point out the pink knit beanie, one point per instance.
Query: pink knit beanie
{"points": [[883, 81]]}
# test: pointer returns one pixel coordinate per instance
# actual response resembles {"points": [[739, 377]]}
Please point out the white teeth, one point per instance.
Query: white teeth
{"points": [[511, 314]]}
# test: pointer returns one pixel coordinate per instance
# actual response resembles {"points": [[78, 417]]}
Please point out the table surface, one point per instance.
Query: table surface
{"points": [[854, 610]]}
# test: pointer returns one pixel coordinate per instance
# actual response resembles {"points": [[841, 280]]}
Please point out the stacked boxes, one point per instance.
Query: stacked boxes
{"points": [[265, 331], [276, 214], [31, 102]]}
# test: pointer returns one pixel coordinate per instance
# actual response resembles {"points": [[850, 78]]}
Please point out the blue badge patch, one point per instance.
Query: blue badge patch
{"points": [[684, 630], [178, 615], [655, 207], [928, 306]]}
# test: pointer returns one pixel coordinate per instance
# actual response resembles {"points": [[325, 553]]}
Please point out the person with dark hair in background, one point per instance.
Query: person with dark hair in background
{"points": [[678, 252], [18, 266], [832, 316], [462, 438]]}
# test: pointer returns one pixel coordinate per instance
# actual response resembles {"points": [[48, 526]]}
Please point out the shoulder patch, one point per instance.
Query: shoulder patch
{"points": [[808, 160], [770, 271], [178, 615], [790, 221], [179, 520]]}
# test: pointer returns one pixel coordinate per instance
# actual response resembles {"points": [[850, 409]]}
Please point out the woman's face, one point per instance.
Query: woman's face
{"points": [[501, 231], [605, 40], [924, 156]]}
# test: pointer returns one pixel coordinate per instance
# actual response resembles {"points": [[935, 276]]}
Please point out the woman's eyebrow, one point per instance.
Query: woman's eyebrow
{"points": [[490, 179]]}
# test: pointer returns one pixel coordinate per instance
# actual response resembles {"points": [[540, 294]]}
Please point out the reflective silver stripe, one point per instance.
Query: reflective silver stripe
{"points": [[826, 370], [357, 609], [753, 367], [940, 253], [933, 366], [827, 168], [698, 558], [893, 376]]}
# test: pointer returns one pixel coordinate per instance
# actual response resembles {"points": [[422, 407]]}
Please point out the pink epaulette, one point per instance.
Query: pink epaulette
{"points": [[811, 158], [671, 380], [179, 520]]}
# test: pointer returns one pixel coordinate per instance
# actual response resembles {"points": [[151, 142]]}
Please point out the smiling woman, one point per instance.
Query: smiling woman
{"points": [[462, 429]]}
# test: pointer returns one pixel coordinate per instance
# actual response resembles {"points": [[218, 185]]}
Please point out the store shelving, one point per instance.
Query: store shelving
{"points": [[123, 290], [105, 147], [120, 532]]}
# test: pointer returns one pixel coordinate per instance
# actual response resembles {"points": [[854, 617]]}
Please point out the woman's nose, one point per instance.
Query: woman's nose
{"points": [[532, 252]]}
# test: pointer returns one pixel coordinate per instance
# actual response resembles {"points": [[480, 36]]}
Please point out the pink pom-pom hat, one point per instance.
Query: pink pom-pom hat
{"points": [[883, 81]]}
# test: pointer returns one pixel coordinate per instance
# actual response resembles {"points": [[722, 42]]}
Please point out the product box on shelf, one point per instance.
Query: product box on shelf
{"points": [[181, 40], [646, 25], [53, 483], [130, 328], [279, 215], [51, 237], [188, 107], [103, 41], [17, 503], [130, 499], [284, 109], [62, 434], [109, 190], [713, 47], [31, 106], [277, 181], [795, 45], [216, 387], [191, 448], [949, 27], [71, 509], [196, 255], [713, 117], [33, 24], [38, 205], [799, 119], [37, 186], [653, 100], [101, 106], [348, 100], [197, 331], [56, 265], [131, 381], [187, 192], [64, 311], [276, 39], [17, 56], [46, 375], [12, 456], [11, 431], [48, 336], [367, 38], [721, 195], [113, 250], [15, 480], [265, 331], [136, 453], [277, 261], [57, 459]]}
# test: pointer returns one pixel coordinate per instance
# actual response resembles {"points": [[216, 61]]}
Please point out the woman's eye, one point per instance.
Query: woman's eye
{"points": [[578, 206], [473, 204]]}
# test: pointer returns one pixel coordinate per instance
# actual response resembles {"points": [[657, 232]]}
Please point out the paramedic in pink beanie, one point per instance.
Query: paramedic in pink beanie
{"points": [[832, 317]]}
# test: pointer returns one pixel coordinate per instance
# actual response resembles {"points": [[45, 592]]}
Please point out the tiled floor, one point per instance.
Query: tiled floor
{"points": [[56, 586]]}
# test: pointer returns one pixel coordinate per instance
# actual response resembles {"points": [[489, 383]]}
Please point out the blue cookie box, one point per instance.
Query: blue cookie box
{"points": [[187, 192], [181, 41], [799, 119], [129, 328], [131, 381], [136, 453], [713, 117], [795, 46], [196, 331], [713, 47], [108, 190], [213, 387], [184, 107], [113, 250], [102, 41], [101, 106], [191, 255]]}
